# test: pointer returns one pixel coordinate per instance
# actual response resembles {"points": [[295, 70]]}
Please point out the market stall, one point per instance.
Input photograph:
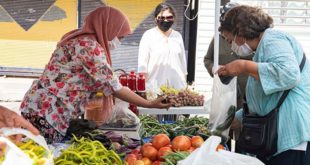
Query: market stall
{"points": [[127, 138]]}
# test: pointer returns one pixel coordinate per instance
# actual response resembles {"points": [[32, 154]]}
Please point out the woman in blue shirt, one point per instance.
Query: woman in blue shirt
{"points": [[275, 68]]}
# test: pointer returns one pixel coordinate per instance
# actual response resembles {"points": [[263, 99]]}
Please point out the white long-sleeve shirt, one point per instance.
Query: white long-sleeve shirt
{"points": [[163, 59]]}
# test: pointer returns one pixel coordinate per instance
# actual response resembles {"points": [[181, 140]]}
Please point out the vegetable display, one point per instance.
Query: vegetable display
{"points": [[111, 140], [162, 150], [36, 152], [84, 151], [173, 157], [189, 126]]}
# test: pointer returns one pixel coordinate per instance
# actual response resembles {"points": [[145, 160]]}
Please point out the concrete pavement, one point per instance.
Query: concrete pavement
{"points": [[12, 91]]}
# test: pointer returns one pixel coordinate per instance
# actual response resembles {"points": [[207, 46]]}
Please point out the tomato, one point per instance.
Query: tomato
{"points": [[160, 140], [131, 159], [144, 145], [163, 151], [191, 149], [146, 161], [130, 156], [139, 156], [181, 143], [220, 147], [156, 163], [139, 162], [169, 145], [150, 152], [197, 141], [135, 151]]}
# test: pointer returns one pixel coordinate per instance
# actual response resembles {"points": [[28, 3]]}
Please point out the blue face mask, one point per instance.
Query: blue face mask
{"points": [[114, 43]]}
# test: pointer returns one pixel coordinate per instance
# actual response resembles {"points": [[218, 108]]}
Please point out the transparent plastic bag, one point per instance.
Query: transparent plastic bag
{"points": [[14, 155], [99, 109], [121, 116], [223, 107]]}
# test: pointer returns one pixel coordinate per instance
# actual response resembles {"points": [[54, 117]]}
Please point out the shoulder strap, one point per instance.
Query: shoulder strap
{"points": [[285, 93]]}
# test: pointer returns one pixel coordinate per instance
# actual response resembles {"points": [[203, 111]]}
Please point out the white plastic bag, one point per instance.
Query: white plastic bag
{"points": [[224, 96], [14, 155], [121, 116], [207, 155]]}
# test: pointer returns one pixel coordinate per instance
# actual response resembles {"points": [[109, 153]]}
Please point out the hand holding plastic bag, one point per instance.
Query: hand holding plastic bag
{"points": [[207, 155], [14, 155]]}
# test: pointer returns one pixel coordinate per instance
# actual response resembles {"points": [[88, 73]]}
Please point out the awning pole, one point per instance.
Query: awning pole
{"points": [[216, 34]]}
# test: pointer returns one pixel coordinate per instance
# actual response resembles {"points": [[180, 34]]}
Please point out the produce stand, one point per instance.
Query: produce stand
{"points": [[173, 110]]}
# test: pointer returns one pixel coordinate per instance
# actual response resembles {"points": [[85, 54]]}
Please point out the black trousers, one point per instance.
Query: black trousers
{"points": [[291, 157]]}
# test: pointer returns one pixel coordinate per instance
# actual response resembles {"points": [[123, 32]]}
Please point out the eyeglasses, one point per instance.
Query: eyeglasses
{"points": [[168, 18]]}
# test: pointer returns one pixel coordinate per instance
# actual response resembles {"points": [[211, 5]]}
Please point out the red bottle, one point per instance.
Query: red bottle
{"points": [[123, 79], [134, 109], [132, 80], [141, 82]]}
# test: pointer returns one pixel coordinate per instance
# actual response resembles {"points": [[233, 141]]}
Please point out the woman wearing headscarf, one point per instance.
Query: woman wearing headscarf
{"points": [[78, 69]]}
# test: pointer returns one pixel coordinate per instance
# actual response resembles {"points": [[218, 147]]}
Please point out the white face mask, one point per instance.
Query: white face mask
{"points": [[242, 50], [114, 43]]}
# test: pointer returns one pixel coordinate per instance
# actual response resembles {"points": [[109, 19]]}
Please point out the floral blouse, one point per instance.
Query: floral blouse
{"points": [[74, 73]]}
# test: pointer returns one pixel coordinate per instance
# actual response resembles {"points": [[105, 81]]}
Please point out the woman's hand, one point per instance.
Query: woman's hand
{"points": [[127, 95], [233, 68], [158, 103], [9, 118], [237, 67]]}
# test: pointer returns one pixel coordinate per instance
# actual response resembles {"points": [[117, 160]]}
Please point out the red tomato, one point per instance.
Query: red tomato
{"points": [[146, 161], [181, 143], [160, 140], [220, 147], [135, 151], [162, 152], [156, 163], [197, 141], [139, 162], [144, 145], [191, 149], [150, 152], [131, 159], [130, 156]]}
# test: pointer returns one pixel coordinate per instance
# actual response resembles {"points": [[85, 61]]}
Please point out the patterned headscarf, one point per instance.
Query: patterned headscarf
{"points": [[104, 23]]}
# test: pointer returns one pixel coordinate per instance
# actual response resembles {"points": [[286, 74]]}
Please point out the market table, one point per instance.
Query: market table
{"points": [[173, 110]]}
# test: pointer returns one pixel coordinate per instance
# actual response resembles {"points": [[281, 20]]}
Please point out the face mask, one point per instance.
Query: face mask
{"points": [[114, 43], [242, 50], [164, 25]]}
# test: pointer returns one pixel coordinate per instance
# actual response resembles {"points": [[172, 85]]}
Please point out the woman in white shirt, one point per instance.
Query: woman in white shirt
{"points": [[161, 52]]}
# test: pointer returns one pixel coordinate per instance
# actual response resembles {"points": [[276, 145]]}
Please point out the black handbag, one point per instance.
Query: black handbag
{"points": [[259, 134]]}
